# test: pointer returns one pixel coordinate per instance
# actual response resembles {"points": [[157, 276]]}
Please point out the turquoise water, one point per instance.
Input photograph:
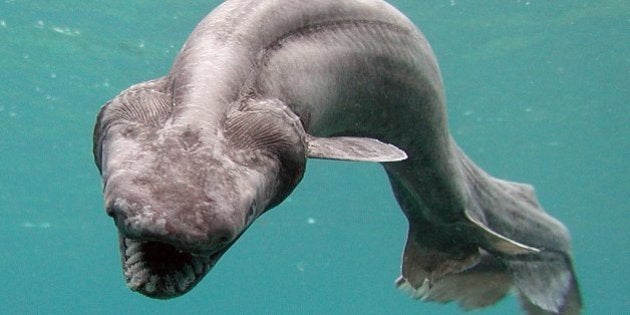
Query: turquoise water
{"points": [[538, 92]]}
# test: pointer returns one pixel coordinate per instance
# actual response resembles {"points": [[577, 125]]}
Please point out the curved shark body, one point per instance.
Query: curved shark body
{"points": [[191, 159]]}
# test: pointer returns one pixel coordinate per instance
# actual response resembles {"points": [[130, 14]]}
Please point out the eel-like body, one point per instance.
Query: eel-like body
{"points": [[189, 160]]}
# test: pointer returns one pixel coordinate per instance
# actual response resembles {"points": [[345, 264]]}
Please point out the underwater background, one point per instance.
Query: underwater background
{"points": [[538, 92]]}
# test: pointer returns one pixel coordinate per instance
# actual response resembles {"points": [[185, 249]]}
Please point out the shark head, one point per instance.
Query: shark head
{"points": [[181, 191]]}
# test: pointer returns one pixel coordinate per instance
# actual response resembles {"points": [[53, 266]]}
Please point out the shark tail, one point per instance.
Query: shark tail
{"points": [[507, 241]]}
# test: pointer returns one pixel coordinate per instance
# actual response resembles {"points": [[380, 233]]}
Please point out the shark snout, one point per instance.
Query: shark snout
{"points": [[195, 234]]}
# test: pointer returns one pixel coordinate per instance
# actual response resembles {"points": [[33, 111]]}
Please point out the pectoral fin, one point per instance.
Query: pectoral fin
{"points": [[353, 149]]}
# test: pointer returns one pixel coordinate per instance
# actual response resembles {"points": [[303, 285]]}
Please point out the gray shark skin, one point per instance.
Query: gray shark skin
{"points": [[191, 159]]}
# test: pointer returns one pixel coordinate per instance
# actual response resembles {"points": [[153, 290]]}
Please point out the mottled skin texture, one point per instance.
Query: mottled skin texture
{"points": [[189, 160]]}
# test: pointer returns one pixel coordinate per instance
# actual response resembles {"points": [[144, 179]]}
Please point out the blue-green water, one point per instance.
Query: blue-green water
{"points": [[538, 91]]}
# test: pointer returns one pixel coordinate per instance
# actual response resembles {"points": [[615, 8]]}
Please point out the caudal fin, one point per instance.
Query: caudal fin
{"points": [[546, 283], [533, 246], [504, 240]]}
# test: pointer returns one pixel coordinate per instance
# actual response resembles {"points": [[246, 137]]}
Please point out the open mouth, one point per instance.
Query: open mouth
{"points": [[159, 270]]}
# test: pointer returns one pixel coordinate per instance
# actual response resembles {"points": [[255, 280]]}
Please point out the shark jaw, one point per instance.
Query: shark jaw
{"points": [[162, 271]]}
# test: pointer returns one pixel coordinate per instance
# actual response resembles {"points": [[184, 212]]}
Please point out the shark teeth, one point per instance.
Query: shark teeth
{"points": [[159, 270], [150, 285]]}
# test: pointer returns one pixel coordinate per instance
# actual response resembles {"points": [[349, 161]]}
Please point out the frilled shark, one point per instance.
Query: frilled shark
{"points": [[191, 159]]}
